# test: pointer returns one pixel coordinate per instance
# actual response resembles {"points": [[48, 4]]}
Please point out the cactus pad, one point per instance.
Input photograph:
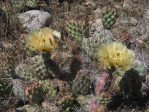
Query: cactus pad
{"points": [[49, 88], [109, 18], [81, 86], [76, 30], [33, 69], [35, 93], [31, 3]]}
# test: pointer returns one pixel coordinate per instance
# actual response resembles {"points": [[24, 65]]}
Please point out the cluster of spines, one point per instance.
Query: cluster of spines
{"points": [[109, 18], [81, 86], [50, 89], [31, 3], [35, 93], [33, 70], [76, 30]]}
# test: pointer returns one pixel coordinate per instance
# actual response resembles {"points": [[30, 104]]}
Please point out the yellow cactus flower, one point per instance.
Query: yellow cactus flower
{"points": [[116, 54], [43, 40]]}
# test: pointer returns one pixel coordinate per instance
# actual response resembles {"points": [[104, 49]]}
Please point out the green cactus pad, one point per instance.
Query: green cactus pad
{"points": [[33, 69], [31, 3], [109, 18], [76, 30], [49, 88], [18, 3], [81, 86], [35, 93]]}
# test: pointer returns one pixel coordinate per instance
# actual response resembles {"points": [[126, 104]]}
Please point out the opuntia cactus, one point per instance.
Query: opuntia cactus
{"points": [[104, 98], [31, 3], [35, 93], [85, 102], [117, 77], [63, 87], [68, 103], [50, 106], [18, 3], [81, 86], [50, 89], [33, 69], [109, 18], [76, 30]]}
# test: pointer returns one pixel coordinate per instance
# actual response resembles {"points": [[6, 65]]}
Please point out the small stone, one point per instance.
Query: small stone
{"points": [[127, 4], [127, 20], [133, 21]]}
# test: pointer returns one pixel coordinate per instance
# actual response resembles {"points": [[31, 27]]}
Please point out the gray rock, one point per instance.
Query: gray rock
{"points": [[34, 19]]}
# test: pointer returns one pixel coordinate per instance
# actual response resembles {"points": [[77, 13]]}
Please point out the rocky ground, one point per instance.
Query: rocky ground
{"points": [[70, 78]]}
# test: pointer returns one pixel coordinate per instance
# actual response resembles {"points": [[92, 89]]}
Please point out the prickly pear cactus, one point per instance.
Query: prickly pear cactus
{"points": [[117, 77], [104, 98], [76, 30], [50, 106], [35, 93], [49, 88], [31, 3], [18, 3], [109, 18], [18, 89], [68, 103], [5, 88], [85, 102], [81, 86], [32, 69], [63, 87]]}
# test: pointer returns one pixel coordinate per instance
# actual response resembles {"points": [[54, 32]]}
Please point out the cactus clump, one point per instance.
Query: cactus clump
{"points": [[76, 30], [49, 88], [81, 86], [33, 69], [104, 98], [19, 4], [5, 88], [68, 103], [31, 3], [85, 102], [35, 93], [63, 87], [109, 18]]}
